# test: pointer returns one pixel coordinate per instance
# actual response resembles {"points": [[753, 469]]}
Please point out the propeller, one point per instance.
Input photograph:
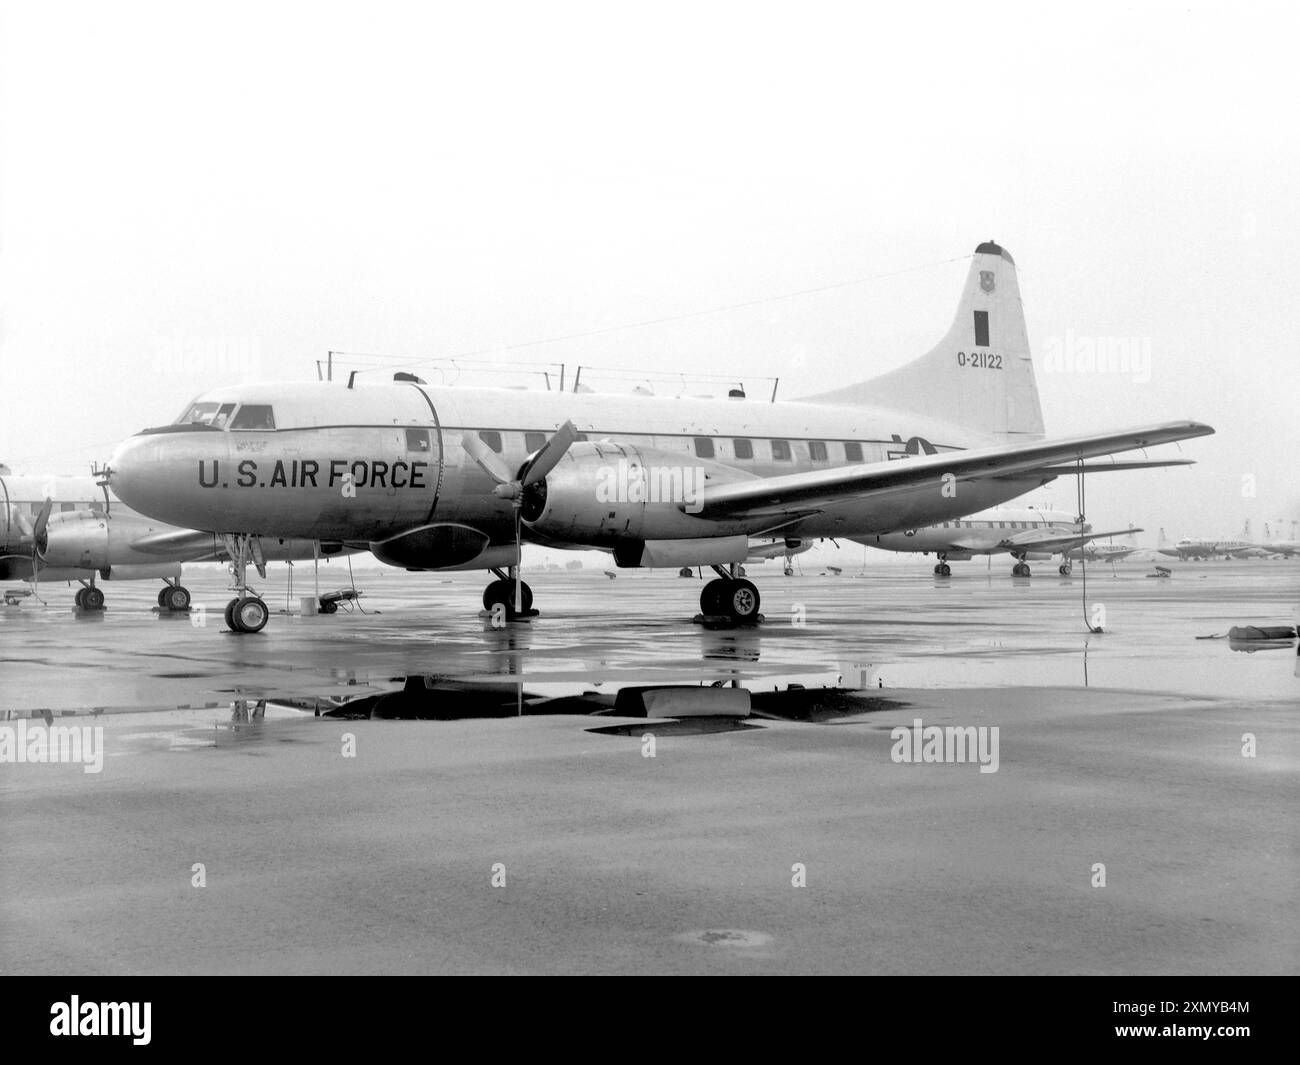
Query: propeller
{"points": [[514, 488], [40, 541]]}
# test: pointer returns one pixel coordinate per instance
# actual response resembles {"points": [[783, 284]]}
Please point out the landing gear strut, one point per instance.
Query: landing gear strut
{"points": [[731, 596], [942, 569], [245, 613]]}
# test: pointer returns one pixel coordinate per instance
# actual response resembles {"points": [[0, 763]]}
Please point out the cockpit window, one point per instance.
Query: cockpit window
{"points": [[198, 414], [253, 416], [223, 415]]}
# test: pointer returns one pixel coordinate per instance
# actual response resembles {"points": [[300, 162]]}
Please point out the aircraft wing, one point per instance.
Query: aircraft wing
{"points": [[800, 491], [1030, 540]]}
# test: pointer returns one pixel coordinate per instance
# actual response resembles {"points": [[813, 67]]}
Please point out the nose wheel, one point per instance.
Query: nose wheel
{"points": [[245, 613]]}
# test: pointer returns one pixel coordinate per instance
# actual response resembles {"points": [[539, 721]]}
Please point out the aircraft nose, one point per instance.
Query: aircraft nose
{"points": [[147, 473]]}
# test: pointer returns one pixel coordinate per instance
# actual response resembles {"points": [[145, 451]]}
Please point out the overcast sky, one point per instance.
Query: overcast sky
{"points": [[266, 182]]}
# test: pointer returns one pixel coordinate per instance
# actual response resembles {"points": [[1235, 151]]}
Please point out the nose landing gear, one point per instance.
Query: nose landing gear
{"points": [[246, 613]]}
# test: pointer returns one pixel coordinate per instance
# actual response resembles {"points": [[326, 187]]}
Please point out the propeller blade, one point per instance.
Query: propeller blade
{"points": [[40, 540], [549, 455], [519, 560], [488, 460]]}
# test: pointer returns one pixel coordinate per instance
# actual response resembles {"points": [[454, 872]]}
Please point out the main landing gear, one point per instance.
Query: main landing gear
{"points": [[1066, 568], [1021, 568], [245, 613], [502, 591], [731, 596], [942, 569], [174, 597], [88, 597]]}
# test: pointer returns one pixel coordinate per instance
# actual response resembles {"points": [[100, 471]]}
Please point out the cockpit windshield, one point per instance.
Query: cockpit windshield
{"points": [[228, 415]]}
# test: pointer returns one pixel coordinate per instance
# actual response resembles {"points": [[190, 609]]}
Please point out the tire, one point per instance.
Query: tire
{"points": [[742, 600], [230, 616], [93, 599], [251, 614], [711, 596], [175, 597], [80, 598], [162, 595], [503, 592], [329, 606]]}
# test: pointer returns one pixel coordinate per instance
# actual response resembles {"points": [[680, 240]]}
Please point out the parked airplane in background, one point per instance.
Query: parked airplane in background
{"points": [[1240, 546], [1188, 547], [1285, 548], [75, 529], [431, 477], [1095, 552], [1024, 533]]}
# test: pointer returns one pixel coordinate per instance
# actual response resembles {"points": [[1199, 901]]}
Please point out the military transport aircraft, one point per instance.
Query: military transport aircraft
{"points": [[456, 477], [55, 528], [1022, 532]]}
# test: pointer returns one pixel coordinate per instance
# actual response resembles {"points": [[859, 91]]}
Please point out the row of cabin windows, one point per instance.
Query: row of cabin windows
{"points": [[704, 447], [94, 506], [982, 524], [781, 452]]}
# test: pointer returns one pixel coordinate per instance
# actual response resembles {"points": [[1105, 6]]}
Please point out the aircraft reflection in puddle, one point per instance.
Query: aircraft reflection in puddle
{"points": [[433, 697]]}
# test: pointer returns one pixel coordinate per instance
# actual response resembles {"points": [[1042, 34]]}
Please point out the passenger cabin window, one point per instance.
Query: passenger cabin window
{"points": [[66, 507], [781, 450], [96, 507], [534, 442], [492, 438], [704, 447], [816, 451], [417, 440], [853, 451], [744, 449], [253, 416]]}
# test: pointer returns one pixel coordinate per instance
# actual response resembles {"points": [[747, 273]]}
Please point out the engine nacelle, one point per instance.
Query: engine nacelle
{"points": [[445, 545], [78, 539], [603, 494]]}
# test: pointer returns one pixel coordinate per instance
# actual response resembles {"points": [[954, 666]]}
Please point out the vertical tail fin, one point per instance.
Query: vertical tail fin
{"points": [[981, 374]]}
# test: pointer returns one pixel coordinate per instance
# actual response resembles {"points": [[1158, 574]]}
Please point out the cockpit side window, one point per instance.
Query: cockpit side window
{"points": [[223, 415], [253, 416]]}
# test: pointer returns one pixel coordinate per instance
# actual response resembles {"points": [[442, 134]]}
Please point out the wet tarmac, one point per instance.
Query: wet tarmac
{"points": [[552, 840]]}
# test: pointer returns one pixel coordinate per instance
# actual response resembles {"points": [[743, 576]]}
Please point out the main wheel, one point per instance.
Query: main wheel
{"points": [[503, 592], [740, 598], [162, 595], [945, 570], [250, 614], [711, 598], [230, 616], [175, 597], [1024, 569], [93, 599], [80, 598], [1065, 571], [328, 606]]}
